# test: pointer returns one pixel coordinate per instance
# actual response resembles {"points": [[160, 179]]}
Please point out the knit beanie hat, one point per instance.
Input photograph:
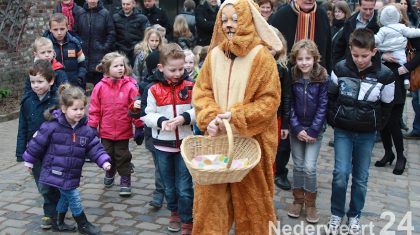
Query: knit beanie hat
{"points": [[389, 15], [152, 61]]}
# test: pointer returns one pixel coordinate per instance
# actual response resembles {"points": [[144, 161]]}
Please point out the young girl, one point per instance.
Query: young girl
{"points": [[167, 109], [189, 65], [152, 41], [61, 144], [307, 117], [182, 33], [108, 109]]}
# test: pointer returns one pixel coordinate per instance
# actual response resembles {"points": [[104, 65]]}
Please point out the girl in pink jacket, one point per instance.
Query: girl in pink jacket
{"points": [[108, 109]]}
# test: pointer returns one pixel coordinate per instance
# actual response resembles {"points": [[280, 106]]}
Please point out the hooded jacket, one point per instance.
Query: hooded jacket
{"points": [[96, 29], [108, 108], [63, 149], [309, 102], [165, 100]]}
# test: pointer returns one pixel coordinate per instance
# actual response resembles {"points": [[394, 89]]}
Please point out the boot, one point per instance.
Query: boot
{"points": [[60, 226], [109, 177], [312, 215], [186, 228], [295, 208], [400, 165], [125, 184], [283, 182], [388, 157], [84, 226]]}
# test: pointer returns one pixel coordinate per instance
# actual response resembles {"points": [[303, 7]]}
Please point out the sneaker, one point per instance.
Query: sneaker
{"points": [[354, 225], [46, 222], [334, 225], [125, 191], [109, 178], [282, 182], [186, 229], [125, 184], [174, 222], [411, 136], [156, 203]]}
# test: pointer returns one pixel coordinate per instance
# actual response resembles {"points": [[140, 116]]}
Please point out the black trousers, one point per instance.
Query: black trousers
{"points": [[120, 155], [392, 130], [282, 157]]}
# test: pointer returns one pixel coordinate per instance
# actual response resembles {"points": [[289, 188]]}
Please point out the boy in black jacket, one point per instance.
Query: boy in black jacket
{"points": [[360, 99]]}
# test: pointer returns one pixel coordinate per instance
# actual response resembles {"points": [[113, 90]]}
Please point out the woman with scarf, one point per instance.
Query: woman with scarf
{"points": [[70, 10]]}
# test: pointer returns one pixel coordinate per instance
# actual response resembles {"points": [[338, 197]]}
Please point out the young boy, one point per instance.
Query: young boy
{"points": [[360, 99], [68, 50], [42, 49], [33, 105], [169, 126]]}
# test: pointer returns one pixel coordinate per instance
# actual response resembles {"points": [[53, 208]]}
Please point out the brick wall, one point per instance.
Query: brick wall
{"points": [[14, 63]]}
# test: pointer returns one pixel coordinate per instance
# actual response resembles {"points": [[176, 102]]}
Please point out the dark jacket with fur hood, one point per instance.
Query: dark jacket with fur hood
{"points": [[309, 101]]}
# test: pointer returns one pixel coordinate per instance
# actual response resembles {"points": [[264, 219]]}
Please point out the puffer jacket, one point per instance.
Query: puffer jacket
{"points": [[129, 31], [166, 100], [31, 116], [70, 55], [360, 101], [63, 150], [309, 100], [96, 30], [108, 108]]}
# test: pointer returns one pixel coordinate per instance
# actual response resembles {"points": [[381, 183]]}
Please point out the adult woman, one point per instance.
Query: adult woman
{"points": [[266, 8], [409, 10], [341, 13]]}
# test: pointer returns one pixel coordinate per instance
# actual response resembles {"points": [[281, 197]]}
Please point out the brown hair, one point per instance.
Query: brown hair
{"points": [[43, 68], [261, 2], [59, 18], [41, 41], [203, 53], [309, 46], [67, 94], [362, 38], [181, 28], [171, 51], [344, 7], [106, 62], [189, 5]]}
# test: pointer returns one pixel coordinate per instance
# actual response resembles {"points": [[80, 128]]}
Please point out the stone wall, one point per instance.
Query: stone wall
{"points": [[15, 61]]}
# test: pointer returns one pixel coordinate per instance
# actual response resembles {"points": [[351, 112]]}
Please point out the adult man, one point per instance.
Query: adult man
{"points": [[95, 27], [239, 82], [129, 26], [205, 16], [364, 18], [300, 15], [157, 15]]}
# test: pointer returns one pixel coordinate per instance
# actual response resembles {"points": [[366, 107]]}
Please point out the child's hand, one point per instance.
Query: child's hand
{"points": [[137, 104], [402, 70], [29, 169], [302, 136], [284, 133], [310, 140], [212, 128], [106, 166], [165, 126], [175, 122]]}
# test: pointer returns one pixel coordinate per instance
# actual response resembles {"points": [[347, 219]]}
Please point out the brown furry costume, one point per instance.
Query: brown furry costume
{"points": [[248, 204]]}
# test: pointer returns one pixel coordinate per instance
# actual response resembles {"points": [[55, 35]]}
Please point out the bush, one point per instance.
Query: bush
{"points": [[4, 92]]}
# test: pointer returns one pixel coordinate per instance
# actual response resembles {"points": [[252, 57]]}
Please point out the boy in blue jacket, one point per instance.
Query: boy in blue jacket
{"points": [[68, 50], [33, 105]]}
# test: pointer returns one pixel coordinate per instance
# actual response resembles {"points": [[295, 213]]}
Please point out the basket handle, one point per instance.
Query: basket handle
{"points": [[230, 141]]}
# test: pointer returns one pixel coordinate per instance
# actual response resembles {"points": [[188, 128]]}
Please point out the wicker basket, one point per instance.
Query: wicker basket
{"points": [[234, 147]]}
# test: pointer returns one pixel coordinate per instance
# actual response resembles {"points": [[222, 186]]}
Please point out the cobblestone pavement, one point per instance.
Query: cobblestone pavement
{"points": [[20, 204]]}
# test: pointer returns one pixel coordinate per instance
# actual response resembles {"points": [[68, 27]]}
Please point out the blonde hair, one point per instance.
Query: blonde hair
{"points": [[188, 53], [107, 60], [41, 41], [307, 45], [181, 28], [281, 55], [144, 45], [171, 51], [404, 17], [67, 94]]}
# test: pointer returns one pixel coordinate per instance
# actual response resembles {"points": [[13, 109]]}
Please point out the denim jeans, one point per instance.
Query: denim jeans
{"points": [[416, 106], [49, 194], [70, 198], [159, 192], [177, 182], [304, 157], [353, 152]]}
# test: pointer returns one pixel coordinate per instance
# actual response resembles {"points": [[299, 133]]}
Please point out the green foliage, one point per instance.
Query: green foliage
{"points": [[4, 92]]}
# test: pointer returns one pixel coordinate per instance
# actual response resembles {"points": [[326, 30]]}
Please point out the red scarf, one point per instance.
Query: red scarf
{"points": [[67, 10], [306, 23]]}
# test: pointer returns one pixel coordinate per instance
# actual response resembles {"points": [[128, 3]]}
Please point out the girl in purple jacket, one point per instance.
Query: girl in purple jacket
{"points": [[307, 123], [61, 143]]}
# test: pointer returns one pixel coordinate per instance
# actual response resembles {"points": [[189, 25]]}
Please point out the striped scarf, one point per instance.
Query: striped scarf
{"points": [[306, 23]]}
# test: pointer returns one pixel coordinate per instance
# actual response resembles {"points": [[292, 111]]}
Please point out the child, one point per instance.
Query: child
{"points": [[189, 65], [152, 41], [42, 49], [162, 32], [360, 99], [182, 33], [170, 114], [61, 144], [33, 105], [308, 109], [108, 109], [392, 36], [68, 50]]}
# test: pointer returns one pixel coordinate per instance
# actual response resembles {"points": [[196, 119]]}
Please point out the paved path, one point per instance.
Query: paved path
{"points": [[20, 204]]}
